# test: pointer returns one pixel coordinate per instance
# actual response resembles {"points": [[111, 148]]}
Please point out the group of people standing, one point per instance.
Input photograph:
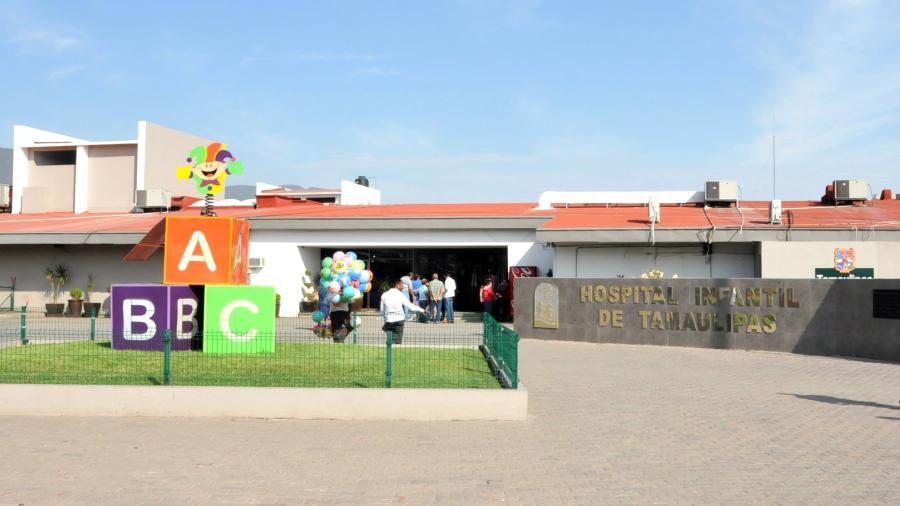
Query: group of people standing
{"points": [[413, 293], [434, 296]]}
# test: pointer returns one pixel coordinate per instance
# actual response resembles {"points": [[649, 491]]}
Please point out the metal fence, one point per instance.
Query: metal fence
{"points": [[501, 348], [8, 296], [470, 353]]}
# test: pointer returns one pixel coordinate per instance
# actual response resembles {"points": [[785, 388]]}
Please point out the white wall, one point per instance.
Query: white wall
{"points": [[531, 253], [283, 270], [110, 173], [687, 261], [161, 150], [353, 194], [289, 253], [24, 137], [799, 260]]}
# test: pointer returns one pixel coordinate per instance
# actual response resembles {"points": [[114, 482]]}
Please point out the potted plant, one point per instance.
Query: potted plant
{"points": [[277, 304], [90, 308], [310, 295], [75, 303], [56, 276]]}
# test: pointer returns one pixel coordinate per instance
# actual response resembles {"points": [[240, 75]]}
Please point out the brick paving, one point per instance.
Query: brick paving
{"points": [[608, 424]]}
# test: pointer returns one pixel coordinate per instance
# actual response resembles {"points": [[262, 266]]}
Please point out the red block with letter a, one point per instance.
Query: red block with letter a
{"points": [[206, 251]]}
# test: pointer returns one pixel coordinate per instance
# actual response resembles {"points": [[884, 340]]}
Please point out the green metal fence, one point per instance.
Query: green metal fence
{"points": [[35, 348], [501, 349], [8, 296]]}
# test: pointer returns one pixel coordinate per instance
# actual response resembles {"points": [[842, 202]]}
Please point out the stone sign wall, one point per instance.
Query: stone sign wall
{"points": [[817, 317]]}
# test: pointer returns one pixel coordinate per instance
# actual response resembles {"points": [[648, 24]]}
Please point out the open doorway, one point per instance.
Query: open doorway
{"points": [[470, 267]]}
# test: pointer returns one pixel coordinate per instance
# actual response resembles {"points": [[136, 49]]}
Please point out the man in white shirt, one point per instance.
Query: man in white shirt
{"points": [[407, 289], [393, 303], [449, 293]]}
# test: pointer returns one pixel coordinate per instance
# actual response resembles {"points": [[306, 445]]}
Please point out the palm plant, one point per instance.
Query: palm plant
{"points": [[90, 287], [56, 276]]}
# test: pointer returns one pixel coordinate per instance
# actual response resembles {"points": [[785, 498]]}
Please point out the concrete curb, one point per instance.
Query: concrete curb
{"points": [[257, 402]]}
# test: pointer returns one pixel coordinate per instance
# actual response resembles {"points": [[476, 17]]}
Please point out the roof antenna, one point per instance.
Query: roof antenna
{"points": [[773, 167]]}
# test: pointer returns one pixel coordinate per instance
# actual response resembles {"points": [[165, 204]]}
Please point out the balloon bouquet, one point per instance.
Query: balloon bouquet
{"points": [[346, 279]]}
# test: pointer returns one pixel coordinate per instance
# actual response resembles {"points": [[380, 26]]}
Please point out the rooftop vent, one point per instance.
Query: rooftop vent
{"points": [[362, 181]]}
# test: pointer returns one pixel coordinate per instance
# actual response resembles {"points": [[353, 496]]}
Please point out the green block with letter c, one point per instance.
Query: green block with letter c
{"points": [[239, 319]]}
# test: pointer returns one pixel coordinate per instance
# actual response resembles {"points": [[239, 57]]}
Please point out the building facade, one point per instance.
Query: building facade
{"points": [[53, 172], [72, 203]]}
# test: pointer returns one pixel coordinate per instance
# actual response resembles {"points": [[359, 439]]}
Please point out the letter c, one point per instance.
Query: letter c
{"points": [[225, 318]]}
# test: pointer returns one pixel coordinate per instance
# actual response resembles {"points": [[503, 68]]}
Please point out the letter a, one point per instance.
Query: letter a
{"points": [[206, 256]]}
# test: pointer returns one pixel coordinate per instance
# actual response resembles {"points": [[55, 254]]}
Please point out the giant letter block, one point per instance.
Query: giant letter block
{"points": [[142, 313], [239, 319], [206, 251]]}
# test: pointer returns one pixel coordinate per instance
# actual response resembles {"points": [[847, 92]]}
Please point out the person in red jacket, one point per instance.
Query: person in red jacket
{"points": [[486, 296]]}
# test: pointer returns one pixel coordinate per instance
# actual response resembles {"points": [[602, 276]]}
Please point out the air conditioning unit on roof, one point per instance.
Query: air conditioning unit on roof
{"points": [[4, 196], [851, 190], [153, 199], [721, 191], [775, 212]]}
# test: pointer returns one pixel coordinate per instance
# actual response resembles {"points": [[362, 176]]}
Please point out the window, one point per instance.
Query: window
{"points": [[66, 157]]}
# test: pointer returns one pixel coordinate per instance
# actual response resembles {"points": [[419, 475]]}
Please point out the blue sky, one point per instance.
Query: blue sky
{"points": [[478, 100]]}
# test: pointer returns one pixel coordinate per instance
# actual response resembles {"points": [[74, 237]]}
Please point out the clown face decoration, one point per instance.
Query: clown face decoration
{"points": [[208, 166]]}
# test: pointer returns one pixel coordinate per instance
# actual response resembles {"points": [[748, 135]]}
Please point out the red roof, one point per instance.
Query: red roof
{"points": [[878, 214], [883, 214]]}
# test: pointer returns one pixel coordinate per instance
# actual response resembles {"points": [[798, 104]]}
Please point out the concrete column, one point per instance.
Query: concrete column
{"points": [[19, 177], [81, 179], [140, 174]]}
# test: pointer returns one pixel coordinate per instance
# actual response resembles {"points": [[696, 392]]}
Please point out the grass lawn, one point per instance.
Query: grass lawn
{"points": [[292, 364]]}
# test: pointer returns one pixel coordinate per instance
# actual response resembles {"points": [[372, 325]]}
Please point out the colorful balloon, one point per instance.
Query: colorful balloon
{"points": [[335, 298], [365, 276], [326, 273], [318, 316], [351, 255], [338, 256], [339, 267], [368, 288], [327, 261], [354, 283], [334, 287]]}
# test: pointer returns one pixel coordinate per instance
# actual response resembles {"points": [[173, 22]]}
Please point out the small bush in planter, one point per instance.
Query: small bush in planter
{"points": [[90, 308], [75, 303]]}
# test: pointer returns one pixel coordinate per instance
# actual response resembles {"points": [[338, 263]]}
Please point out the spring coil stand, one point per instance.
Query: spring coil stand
{"points": [[209, 201]]}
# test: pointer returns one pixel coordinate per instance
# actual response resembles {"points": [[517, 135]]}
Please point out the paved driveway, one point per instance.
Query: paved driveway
{"points": [[607, 424]]}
